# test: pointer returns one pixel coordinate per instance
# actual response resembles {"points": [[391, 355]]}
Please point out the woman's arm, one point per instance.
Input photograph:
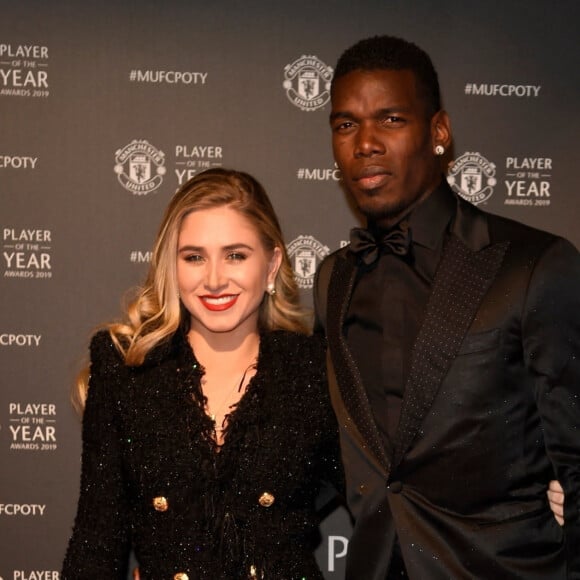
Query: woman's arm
{"points": [[99, 545]]}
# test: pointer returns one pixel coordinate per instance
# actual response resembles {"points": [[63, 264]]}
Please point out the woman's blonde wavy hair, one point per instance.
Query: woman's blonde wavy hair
{"points": [[156, 312]]}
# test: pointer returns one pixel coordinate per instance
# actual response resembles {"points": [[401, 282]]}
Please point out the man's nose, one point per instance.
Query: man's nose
{"points": [[368, 141]]}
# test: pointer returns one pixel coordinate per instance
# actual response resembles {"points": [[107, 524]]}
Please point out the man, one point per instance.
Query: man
{"points": [[454, 349]]}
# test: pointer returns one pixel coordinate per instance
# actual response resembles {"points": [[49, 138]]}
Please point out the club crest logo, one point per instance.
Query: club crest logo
{"points": [[472, 177], [140, 167], [307, 83], [306, 253]]}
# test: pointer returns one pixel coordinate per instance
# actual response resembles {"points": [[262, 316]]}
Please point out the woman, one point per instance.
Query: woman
{"points": [[207, 429]]}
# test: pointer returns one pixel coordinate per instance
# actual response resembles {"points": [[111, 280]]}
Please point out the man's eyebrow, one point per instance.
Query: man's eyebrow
{"points": [[340, 115], [391, 110], [376, 115]]}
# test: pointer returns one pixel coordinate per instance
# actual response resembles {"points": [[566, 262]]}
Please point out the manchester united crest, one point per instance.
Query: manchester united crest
{"points": [[140, 167], [472, 176], [306, 253], [307, 82]]}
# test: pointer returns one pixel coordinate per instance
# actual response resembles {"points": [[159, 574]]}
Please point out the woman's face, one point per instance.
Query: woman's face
{"points": [[223, 270]]}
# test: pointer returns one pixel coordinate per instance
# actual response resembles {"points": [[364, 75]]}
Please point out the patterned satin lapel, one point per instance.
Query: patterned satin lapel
{"points": [[461, 282], [347, 375]]}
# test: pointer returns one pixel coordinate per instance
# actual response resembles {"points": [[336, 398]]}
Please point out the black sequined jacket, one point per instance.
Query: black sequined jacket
{"points": [[153, 480]]}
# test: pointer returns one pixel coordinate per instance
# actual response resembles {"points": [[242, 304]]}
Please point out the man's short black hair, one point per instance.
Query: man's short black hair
{"points": [[392, 53]]}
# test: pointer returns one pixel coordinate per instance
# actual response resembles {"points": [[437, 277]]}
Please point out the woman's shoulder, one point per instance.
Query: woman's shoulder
{"points": [[102, 347], [105, 358]]}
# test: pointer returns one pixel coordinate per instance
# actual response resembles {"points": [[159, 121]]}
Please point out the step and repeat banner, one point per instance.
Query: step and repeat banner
{"points": [[106, 108]]}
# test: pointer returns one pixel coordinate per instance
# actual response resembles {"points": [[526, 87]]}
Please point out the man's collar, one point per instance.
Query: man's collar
{"points": [[430, 219], [442, 210]]}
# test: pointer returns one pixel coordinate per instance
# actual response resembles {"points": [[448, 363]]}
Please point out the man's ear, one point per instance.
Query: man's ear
{"points": [[441, 130]]}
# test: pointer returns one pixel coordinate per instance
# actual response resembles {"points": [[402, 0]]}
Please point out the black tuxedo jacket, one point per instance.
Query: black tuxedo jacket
{"points": [[491, 412]]}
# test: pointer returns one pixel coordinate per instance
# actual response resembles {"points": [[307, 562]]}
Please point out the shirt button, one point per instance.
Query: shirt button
{"points": [[395, 487], [160, 503], [266, 499]]}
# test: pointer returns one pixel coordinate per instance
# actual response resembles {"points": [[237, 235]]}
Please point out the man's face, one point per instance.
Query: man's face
{"points": [[383, 142]]}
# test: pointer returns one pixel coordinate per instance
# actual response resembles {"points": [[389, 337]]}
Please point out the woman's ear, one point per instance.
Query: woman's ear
{"points": [[274, 266]]}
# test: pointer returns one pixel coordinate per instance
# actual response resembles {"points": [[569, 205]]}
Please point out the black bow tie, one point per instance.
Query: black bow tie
{"points": [[366, 247]]}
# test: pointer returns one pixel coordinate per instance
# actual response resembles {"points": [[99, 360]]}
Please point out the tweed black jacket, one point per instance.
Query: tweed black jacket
{"points": [[154, 481]]}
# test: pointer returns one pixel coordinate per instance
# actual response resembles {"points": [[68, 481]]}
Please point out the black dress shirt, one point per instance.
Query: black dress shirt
{"points": [[387, 308]]}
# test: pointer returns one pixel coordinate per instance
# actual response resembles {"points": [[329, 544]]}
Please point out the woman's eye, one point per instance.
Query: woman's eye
{"points": [[236, 256], [193, 258]]}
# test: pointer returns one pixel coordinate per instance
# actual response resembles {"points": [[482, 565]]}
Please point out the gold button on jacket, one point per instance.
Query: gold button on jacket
{"points": [[160, 503], [266, 499]]}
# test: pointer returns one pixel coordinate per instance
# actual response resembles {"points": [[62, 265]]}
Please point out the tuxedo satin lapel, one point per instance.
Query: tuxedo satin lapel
{"points": [[461, 281], [346, 372]]}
